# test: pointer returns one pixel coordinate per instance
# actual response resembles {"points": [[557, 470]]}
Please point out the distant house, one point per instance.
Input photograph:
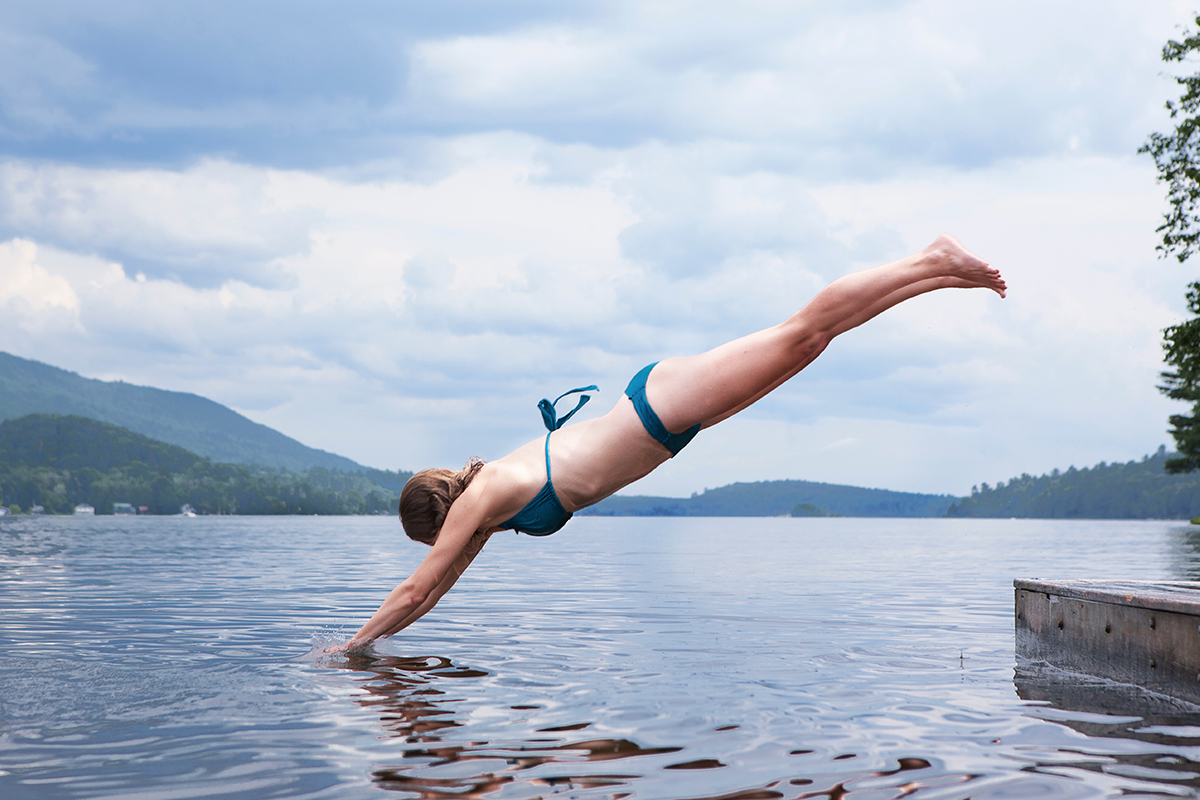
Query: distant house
{"points": [[84, 510], [124, 509]]}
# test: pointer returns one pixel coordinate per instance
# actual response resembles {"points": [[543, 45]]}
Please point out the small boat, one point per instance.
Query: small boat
{"points": [[84, 510], [186, 510], [124, 509], [3, 511]]}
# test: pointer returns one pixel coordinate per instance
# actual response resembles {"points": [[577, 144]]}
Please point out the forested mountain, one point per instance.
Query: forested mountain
{"points": [[69, 442], [58, 462], [186, 420], [779, 498], [1134, 490]]}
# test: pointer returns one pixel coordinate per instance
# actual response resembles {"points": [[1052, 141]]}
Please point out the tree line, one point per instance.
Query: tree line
{"points": [[1133, 490], [778, 498], [59, 462]]}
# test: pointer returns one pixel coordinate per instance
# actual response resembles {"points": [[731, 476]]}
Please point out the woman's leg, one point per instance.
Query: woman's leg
{"points": [[713, 386]]}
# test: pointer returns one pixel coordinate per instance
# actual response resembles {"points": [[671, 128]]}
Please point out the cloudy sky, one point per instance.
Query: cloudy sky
{"points": [[388, 228]]}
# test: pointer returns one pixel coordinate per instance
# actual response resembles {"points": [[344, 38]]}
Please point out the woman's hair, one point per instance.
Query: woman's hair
{"points": [[426, 499]]}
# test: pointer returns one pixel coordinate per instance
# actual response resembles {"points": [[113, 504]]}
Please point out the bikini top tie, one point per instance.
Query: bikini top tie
{"points": [[544, 514], [550, 413]]}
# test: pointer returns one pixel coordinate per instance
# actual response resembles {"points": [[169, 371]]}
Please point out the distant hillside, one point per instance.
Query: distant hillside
{"points": [[66, 442], [1134, 490], [187, 420], [779, 498], [58, 462]]}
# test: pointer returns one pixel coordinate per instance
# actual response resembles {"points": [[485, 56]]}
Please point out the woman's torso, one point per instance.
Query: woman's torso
{"points": [[588, 461]]}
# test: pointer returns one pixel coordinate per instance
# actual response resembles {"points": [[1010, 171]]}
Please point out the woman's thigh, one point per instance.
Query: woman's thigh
{"points": [[711, 386]]}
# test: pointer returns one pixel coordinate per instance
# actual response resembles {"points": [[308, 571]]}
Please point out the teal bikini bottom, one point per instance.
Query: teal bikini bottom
{"points": [[636, 391]]}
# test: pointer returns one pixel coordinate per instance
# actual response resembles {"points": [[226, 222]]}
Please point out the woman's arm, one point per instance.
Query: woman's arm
{"points": [[457, 545], [386, 616]]}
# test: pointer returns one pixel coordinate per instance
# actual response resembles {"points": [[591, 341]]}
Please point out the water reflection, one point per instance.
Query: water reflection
{"points": [[423, 701], [405, 692], [1130, 733], [1186, 552]]}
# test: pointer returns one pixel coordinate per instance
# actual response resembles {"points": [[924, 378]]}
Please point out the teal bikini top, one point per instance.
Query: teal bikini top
{"points": [[544, 514]]}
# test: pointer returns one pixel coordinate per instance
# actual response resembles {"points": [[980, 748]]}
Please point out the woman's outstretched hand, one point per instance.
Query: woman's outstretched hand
{"points": [[352, 646]]}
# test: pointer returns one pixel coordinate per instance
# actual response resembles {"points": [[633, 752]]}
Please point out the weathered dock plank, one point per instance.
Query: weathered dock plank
{"points": [[1143, 633]]}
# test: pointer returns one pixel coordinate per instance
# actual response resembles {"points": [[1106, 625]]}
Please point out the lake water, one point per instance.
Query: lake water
{"points": [[622, 657]]}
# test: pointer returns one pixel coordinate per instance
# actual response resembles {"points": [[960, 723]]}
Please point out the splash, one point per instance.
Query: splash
{"points": [[330, 646]]}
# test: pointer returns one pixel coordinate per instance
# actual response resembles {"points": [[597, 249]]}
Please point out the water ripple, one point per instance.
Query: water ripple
{"points": [[162, 658]]}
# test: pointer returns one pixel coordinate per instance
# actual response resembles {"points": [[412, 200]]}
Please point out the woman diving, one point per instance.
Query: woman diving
{"points": [[536, 488]]}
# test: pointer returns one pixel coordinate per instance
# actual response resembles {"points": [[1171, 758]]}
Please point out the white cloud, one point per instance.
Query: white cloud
{"points": [[198, 226], [24, 280], [858, 90], [542, 67]]}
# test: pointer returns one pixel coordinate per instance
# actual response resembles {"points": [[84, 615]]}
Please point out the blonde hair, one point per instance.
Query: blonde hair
{"points": [[426, 499]]}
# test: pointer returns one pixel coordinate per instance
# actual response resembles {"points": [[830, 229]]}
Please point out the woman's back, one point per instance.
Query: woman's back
{"points": [[588, 460]]}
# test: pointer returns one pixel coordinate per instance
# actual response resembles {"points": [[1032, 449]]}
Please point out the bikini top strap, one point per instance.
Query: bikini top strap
{"points": [[550, 414], [548, 479]]}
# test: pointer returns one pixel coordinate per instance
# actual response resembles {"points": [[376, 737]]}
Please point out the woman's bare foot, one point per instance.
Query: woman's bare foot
{"points": [[967, 269]]}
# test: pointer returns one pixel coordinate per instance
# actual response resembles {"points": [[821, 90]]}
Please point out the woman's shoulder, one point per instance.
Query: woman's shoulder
{"points": [[528, 457], [505, 485], [513, 472]]}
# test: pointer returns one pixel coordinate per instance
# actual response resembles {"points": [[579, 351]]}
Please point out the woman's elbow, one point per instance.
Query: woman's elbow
{"points": [[417, 599], [407, 597]]}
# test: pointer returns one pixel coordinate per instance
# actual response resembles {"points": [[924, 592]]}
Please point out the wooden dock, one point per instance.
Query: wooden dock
{"points": [[1135, 632]]}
